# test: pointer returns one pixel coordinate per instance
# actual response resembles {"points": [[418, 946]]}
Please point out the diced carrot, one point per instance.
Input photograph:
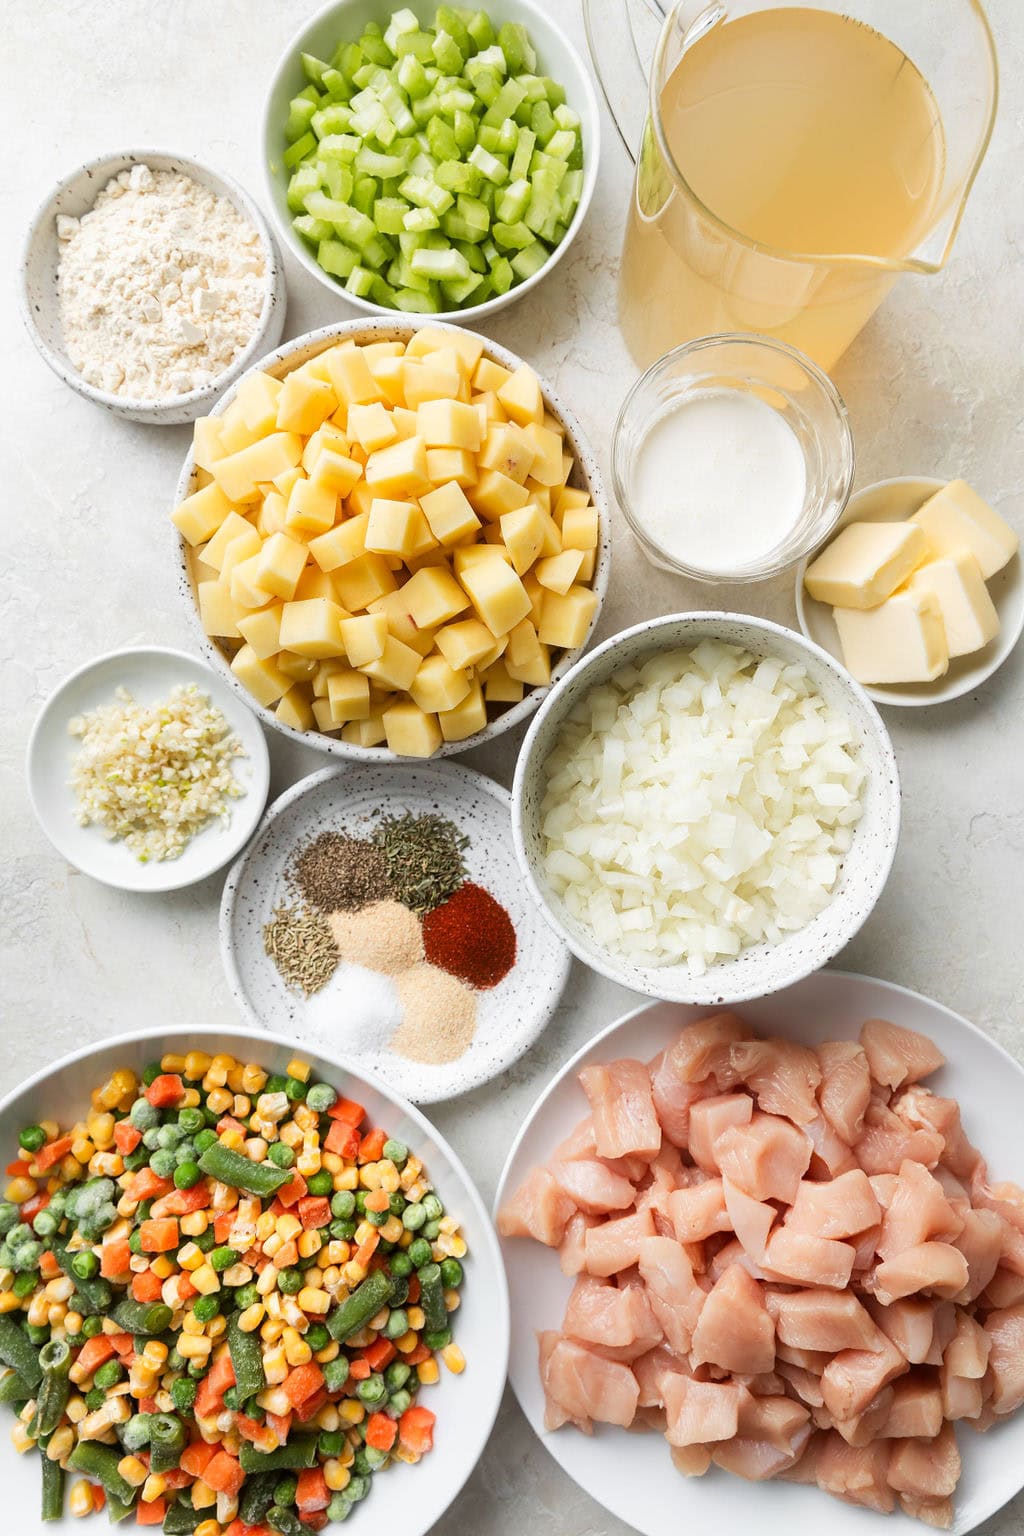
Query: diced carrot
{"points": [[224, 1474], [99, 1498], [177, 1477], [418, 1355], [289, 1194], [416, 1429], [378, 1200], [347, 1111], [286, 1255], [314, 1211], [48, 1266], [281, 1424], [166, 1091], [371, 1148], [147, 1286], [19, 1168], [94, 1352], [276, 1208], [124, 1343], [222, 1225], [315, 1520], [364, 1253], [258, 1530], [180, 1202], [152, 1512], [147, 1185], [197, 1457], [342, 1140], [47, 1157], [414, 1290], [159, 1236], [126, 1136], [381, 1432], [186, 1290], [312, 1492], [311, 1407], [147, 1405], [229, 1123], [236, 1528], [115, 1258], [379, 1354], [210, 1397], [302, 1382], [249, 1429], [31, 1208], [359, 1370]]}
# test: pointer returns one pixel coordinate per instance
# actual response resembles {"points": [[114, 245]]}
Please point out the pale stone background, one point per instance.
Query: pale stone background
{"points": [[934, 386]]}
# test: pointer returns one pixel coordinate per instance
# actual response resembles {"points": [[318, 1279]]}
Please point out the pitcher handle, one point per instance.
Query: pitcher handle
{"points": [[611, 57]]}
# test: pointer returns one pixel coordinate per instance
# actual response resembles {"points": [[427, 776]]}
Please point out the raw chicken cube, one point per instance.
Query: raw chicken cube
{"points": [[845, 1088], [619, 1093], [702, 1050], [734, 1330], [673, 1293], [766, 1159], [801, 1259], [592, 1187], [698, 1211], [781, 1074], [834, 1208], [855, 1376], [701, 1412], [855, 1473], [538, 1209], [822, 1320], [602, 1314], [615, 1245], [936, 1268], [709, 1118], [917, 1213], [581, 1385], [897, 1055], [928, 1469], [1006, 1360]]}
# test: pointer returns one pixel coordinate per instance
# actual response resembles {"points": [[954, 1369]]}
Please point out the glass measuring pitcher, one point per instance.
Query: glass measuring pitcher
{"points": [[791, 159]]}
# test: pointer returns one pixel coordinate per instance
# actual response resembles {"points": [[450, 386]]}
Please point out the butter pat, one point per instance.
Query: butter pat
{"points": [[969, 616], [866, 563], [901, 641], [956, 521]]}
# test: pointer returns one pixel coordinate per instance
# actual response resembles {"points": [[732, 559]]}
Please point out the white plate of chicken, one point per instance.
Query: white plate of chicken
{"points": [[780, 1243]]}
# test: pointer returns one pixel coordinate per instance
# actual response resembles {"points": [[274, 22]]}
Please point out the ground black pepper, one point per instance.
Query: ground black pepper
{"points": [[336, 873]]}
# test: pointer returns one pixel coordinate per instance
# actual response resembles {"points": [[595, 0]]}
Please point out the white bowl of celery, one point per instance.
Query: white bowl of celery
{"points": [[434, 160]]}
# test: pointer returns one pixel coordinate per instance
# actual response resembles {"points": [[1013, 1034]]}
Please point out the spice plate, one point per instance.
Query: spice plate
{"points": [[336, 856]]}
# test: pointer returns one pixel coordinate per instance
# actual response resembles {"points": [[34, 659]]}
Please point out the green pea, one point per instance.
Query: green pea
{"points": [[9, 1217], [280, 1155], [223, 1258], [183, 1395], [342, 1231], [135, 1241], [206, 1308], [109, 1374], [320, 1183], [206, 1241], [289, 1282], [320, 1097], [162, 1162], [285, 1492], [95, 1399], [144, 1116], [377, 1218], [343, 1204], [275, 1083], [358, 1488], [24, 1284], [399, 1402], [191, 1120], [85, 1264], [37, 1333], [372, 1390], [396, 1203], [231, 1399], [133, 1161], [32, 1138], [401, 1264], [317, 1337], [46, 1222], [176, 1361], [91, 1326], [361, 1200], [247, 1296], [144, 1211], [336, 1373], [413, 1217], [396, 1375], [420, 1252], [294, 1089], [339, 1508], [451, 1274], [438, 1339], [397, 1323], [151, 1073], [396, 1152], [331, 1442], [204, 1140], [186, 1175], [432, 1231], [171, 1135], [197, 1368]]}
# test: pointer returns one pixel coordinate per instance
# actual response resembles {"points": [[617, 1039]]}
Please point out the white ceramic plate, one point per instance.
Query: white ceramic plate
{"points": [[889, 501], [406, 1499], [510, 1016], [149, 673], [632, 1475]]}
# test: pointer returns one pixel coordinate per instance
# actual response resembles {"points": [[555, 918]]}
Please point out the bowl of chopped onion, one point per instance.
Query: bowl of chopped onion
{"points": [[706, 808]]}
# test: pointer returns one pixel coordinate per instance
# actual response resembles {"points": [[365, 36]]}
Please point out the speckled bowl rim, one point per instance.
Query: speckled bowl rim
{"points": [[590, 118], [274, 300], [457, 777], [646, 979], [397, 329]]}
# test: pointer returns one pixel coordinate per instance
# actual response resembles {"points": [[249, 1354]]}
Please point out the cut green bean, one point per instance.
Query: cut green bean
{"points": [[365, 1301], [246, 1359], [93, 1293], [432, 1297], [53, 1490], [99, 1462], [18, 1353], [167, 1440], [299, 1452], [240, 1172], [181, 1519], [54, 1390], [14, 1388], [256, 1497], [145, 1317], [286, 1521]]}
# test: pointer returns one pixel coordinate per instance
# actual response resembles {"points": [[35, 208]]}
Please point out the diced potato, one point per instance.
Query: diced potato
{"points": [[490, 408], [327, 436], [410, 731], [234, 526], [314, 583], [456, 464], [235, 431], [500, 687], [365, 733], [523, 533], [360, 499], [371, 426], [207, 444], [345, 542], [401, 623], [468, 555], [271, 514], [246, 591], [350, 374], [295, 709], [283, 482], [245, 544], [216, 610], [364, 637], [198, 517], [540, 495], [535, 670], [405, 421], [566, 619], [389, 377], [312, 507], [494, 494], [438, 378], [304, 403], [546, 465], [265, 681], [536, 593], [362, 580], [499, 647], [497, 594], [523, 645], [335, 472], [258, 397], [395, 667], [315, 367], [466, 718], [399, 471], [489, 375], [588, 566], [506, 448], [398, 528], [433, 596], [448, 424], [301, 669], [558, 572], [579, 528], [373, 350], [438, 686], [449, 515], [280, 564], [430, 338], [241, 474], [322, 715], [325, 670], [568, 496], [312, 627], [262, 630], [520, 395], [349, 695], [463, 644]]}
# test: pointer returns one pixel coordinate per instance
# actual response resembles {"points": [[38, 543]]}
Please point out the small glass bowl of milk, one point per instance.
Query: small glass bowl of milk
{"points": [[732, 458]]}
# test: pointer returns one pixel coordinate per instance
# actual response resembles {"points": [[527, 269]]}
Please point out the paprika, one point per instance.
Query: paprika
{"points": [[471, 936]]}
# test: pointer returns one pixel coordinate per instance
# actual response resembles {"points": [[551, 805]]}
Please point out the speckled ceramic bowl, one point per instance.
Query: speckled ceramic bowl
{"points": [[37, 288], [762, 968], [358, 1008], [586, 474]]}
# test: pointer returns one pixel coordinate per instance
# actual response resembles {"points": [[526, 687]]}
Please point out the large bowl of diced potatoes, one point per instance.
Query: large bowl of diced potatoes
{"points": [[393, 539]]}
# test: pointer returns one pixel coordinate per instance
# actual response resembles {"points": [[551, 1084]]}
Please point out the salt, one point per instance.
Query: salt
{"points": [[357, 1012]]}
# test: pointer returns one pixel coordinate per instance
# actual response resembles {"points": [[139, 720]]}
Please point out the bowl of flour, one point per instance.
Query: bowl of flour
{"points": [[149, 283]]}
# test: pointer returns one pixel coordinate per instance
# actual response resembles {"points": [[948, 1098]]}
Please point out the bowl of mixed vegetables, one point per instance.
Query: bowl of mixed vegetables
{"points": [[431, 159], [238, 1282]]}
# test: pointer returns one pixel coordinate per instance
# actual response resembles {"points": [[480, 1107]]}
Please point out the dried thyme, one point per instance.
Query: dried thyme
{"points": [[424, 859], [301, 945]]}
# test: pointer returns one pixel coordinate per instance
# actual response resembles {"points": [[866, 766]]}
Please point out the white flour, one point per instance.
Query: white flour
{"points": [[160, 285]]}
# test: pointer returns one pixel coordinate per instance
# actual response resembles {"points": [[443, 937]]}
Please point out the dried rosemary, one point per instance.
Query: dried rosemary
{"points": [[300, 943], [424, 859]]}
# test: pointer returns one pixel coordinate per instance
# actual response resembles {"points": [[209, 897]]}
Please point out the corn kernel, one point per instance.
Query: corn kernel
{"points": [[428, 1372], [449, 1247], [171, 1062], [330, 1351], [50, 1129], [354, 1274], [365, 1231], [308, 1163], [217, 1326], [223, 1198], [100, 1127], [154, 1354], [191, 1348], [191, 1324], [369, 1176], [132, 1470], [219, 1100], [328, 1418], [203, 1497], [234, 1079], [241, 1106], [206, 1280], [332, 1162], [296, 1350], [70, 1168], [407, 1343], [351, 1411], [253, 1078], [76, 1409], [275, 1366], [288, 1226], [272, 1328], [274, 1400], [73, 1322], [208, 1528], [250, 1319], [392, 1230], [309, 1244], [9, 1302], [162, 1266], [62, 1443], [194, 1224], [312, 1299], [389, 1179], [197, 1064], [416, 1317], [20, 1189], [347, 1179], [336, 1476], [291, 1134], [452, 1301], [37, 1310], [409, 1457], [267, 1280], [255, 1149], [80, 1499], [454, 1359], [299, 1069]]}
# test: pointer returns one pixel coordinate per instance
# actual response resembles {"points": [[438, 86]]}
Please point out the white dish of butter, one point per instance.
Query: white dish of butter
{"points": [[953, 620]]}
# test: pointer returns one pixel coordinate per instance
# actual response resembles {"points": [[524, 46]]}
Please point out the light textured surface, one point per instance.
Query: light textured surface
{"points": [[934, 386]]}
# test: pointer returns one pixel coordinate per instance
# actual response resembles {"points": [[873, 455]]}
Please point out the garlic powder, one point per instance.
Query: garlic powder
{"points": [[160, 285]]}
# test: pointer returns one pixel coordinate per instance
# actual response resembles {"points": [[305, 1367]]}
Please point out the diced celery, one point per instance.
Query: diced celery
{"points": [[448, 19], [382, 292], [448, 53], [457, 228], [369, 162], [376, 49], [457, 176], [513, 201], [508, 137], [336, 85], [524, 150], [542, 122], [395, 105], [491, 57], [419, 44], [388, 213], [364, 194], [554, 92], [339, 146], [423, 164], [565, 117], [514, 42], [458, 290], [348, 59], [297, 152], [504, 104], [412, 241], [313, 230], [444, 266], [401, 23], [489, 139], [330, 120], [312, 67], [426, 194], [530, 260], [474, 255], [486, 81], [336, 179], [364, 75], [442, 140], [352, 225], [488, 192], [304, 181], [413, 303], [570, 192], [412, 77], [454, 99], [561, 144], [423, 108], [360, 282], [300, 110], [488, 165], [480, 30], [335, 258], [514, 237], [533, 88], [502, 275], [475, 213], [418, 220], [464, 128]]}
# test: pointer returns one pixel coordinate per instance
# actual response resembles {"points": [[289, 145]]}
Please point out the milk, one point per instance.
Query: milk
{"points": [[719, 481]]}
